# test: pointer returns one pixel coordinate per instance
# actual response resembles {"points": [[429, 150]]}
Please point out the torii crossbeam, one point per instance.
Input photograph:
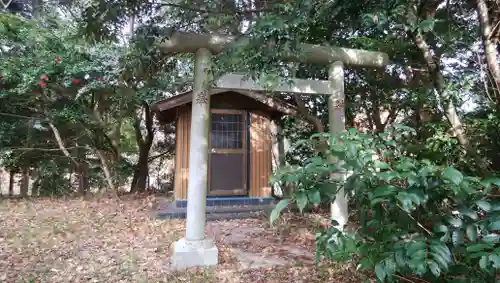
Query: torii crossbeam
{"points": [[195, 249]]}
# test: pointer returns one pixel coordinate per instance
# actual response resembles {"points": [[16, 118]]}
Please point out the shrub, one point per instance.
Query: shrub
{"points": [[419, 222]]}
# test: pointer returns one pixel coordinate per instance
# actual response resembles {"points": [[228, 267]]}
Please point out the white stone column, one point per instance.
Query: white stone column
{"points": [[336, 119], [194, 249], [277, 157]]}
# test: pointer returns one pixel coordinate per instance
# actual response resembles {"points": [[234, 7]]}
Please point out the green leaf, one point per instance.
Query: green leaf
{"points": [[390, 267], [399, 256], [440, 260], [388, 153], [472, 232], [484, 205], [421, 254], [301, 199], [277, 210], [384, 191], [427, 25], [469, 213], [442, 250], [415, 248], [387, 176], [425, 171], [365, 263], [477, 248], [352, 150], [440, 228], [314, 196], [483, 262], [337, 147], [457, 222], [453, 175], [434, 267], [412, 180], [404, 165], [381, 165], [380, 272], [456, 237], [416, 195], [494, 226], [478, 254], [495, 259], [491, 238], [405, 200], [488, 182], [495, 206]]}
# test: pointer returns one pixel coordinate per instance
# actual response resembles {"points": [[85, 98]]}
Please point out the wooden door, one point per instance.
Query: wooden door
{"points": [[228, 153]]}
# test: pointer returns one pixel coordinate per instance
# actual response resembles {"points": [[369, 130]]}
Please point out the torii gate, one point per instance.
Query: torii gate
{"points": [[195, 249]]}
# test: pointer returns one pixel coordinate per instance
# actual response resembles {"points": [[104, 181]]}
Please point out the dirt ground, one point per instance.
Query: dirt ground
{"points": [[118, 240]]}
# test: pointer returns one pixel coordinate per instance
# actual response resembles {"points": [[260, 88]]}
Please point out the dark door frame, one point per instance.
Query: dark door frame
{"points": [[243, 151]]}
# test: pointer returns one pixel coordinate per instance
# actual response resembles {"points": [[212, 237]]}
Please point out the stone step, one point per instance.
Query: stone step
{"points": [[230, 215], [231, 201], [217, 212]]}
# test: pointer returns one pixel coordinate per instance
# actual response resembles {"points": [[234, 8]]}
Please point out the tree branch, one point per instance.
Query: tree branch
{"points": [[16, 116], [105, 169], [40, 149], [61, 144], [304, 112], [159, 155], [199, 10]]}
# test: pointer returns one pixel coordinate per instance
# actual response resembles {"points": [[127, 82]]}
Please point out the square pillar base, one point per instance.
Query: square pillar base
{"points": [[188, 254]]}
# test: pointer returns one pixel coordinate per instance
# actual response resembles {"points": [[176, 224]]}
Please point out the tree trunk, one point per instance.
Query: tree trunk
{"points": [[105, 168], [83, 178], [450, 110], [35, 190], [25, 182], [109, 158], [489, 45], [115, 157], [11, 182], [36, 8], [141, 172]]}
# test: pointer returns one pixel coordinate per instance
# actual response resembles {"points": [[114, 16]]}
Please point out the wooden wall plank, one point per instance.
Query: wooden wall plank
{"points": [[178, 158], [260, 155], [183, 128]]}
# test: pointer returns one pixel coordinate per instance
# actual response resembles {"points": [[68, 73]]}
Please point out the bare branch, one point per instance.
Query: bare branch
{"points": [[227, 12], [105, 169], [39, 149], [61, 144], [16, 116], [313, 120], [159, 155]]}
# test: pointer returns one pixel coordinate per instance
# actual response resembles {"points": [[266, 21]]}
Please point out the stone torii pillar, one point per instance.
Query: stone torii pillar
{"points": [[336, 121], [194, 249]]}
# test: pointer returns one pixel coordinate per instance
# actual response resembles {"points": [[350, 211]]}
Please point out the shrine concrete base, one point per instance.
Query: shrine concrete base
{"points": [[188, 254]]}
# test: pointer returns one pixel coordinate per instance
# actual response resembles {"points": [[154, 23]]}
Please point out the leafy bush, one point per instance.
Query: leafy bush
{"points": [[418, 220]]}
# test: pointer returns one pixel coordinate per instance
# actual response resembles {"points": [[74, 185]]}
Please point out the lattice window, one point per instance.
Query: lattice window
{"points": [[227, 131]]}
